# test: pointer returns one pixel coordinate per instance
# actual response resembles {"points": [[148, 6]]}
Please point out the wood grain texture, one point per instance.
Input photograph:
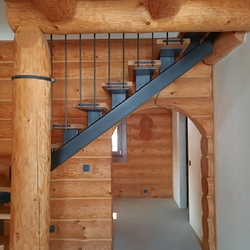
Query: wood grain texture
{"points": [[226, 43], [6, 51], [134, 16], [102, 144], [5, 128], [135, 191], [6, 228], [5, 148], [81, 229], [80, 188], [188, 87], [6, 89], [73, 168], [31, 143], [55, 10], [149, 147], [81, 208], [6, 109], [136, 169], [4, 213], [164, 8], [5, 161], [5, 184], [116, 51], [4, 242], [66, 244]]}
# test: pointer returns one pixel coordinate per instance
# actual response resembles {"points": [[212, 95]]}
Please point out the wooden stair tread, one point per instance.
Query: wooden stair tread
{"points": [[4, 242], [117, 85], [89, 106], [160, 44], [132, 64], [4, 184], [5, 160], [55, 144], [4, 212], [69, 126]]}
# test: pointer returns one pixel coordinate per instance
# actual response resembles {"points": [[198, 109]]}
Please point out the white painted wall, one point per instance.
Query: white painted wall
{"points": [[175, 151], [179, 159], [232, 151], [5, 32], [195, 191]]}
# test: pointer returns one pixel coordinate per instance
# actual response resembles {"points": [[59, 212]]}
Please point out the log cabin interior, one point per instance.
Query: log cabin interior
{"points": [[79, 71]]}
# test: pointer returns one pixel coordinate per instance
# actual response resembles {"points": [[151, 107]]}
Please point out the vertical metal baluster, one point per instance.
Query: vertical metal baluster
{"points": [[66, 82], [80, 68], [94, 71], [51, 88], [153, 49], [123, 60], [138, 49], [167, 38], [108, 59]]}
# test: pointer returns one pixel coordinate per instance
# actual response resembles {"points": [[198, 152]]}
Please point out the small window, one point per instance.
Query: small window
{"points": [[119, 143]]}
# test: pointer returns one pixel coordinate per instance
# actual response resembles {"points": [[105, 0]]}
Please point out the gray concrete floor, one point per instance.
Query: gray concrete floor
{"points": [[152, 224]]}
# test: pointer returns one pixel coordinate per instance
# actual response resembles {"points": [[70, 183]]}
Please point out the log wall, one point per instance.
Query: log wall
{"points": [[148, 170]]}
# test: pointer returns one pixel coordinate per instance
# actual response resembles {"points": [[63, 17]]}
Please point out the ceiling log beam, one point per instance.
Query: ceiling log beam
{"points": [[164, 8], [225, 43], [134, 16], [55, 10]]}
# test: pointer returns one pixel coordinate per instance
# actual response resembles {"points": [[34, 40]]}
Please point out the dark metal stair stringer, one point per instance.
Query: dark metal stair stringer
{"points": [[133, 102]]}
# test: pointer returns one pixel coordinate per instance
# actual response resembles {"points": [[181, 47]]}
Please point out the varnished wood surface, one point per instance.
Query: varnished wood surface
{"points": [[81, 208], [226, 43], [5, 160], [31, 143], [81, 229], [66, 244], [164, 8], [148, 170], [55, 10], [4, 242], [4, 213], [4, 184], [134, 16]]}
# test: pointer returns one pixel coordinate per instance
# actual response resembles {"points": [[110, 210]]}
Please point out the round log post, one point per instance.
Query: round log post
{"points": [[31, 156]]}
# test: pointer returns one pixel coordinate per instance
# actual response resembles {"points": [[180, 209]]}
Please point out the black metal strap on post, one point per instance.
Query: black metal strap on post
{"points": [[44, 78]]}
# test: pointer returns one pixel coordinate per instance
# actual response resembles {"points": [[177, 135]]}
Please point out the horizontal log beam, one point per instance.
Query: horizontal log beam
{"points": [[164, 8], [134, 16], [55, 10], [225, 43]]}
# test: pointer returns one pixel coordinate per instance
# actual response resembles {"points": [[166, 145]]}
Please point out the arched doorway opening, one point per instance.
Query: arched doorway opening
{"points": [[204, 125]]}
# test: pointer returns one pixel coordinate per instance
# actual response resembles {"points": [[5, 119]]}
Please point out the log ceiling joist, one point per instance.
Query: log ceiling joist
{"points": [[112, 16], [55, 10]]}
